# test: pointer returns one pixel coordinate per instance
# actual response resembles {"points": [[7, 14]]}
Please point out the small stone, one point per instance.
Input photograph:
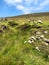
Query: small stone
{"points": [[38, 38], [32, 37], [29, 41], [46, 44], [40, 21], [45, 32], [29, 20], [42, 36], [46, 40], [37, 48], [38, 33], [48, 56], [25, 41]]}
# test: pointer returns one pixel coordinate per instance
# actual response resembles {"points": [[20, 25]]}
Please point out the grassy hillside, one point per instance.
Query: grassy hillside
{"points": [[14, 36]]}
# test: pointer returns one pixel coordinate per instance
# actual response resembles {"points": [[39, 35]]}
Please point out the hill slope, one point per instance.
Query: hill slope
{"points": [[24, 40]]}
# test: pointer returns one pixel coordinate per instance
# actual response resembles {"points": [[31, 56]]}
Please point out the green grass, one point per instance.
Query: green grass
{"points": [[13, 50]]}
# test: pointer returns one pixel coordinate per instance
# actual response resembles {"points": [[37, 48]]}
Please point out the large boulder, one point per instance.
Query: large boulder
{"points": [[4, 27]]}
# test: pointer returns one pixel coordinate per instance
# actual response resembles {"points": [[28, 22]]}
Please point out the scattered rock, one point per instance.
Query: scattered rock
{"points": [[38, 38], [40, 21], [42, 36], [3, 27], [46, 40], [29, 20], [46, 44], [32, 37], [37, 48], [48, 56], [38, 33], [30, 41], [45, 32], [25, 41]]}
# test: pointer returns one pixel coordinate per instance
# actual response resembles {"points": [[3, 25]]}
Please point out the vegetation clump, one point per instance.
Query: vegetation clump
{"points": [[12, 24]]}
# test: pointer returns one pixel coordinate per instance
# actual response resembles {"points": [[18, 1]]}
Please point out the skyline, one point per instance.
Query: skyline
{"points": [[20, 7]]}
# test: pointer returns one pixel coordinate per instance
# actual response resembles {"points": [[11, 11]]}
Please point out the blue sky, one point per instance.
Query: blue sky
{"points": [[19, 7]]}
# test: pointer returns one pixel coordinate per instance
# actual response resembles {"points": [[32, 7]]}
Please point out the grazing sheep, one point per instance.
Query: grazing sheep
{"points": [[37, 48], [39, 21]]}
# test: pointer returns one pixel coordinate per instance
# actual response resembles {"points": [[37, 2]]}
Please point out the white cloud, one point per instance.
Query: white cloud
{"points": [[24, 9], [13, 1], [20, 7], [44, 3], [27, 6]]}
